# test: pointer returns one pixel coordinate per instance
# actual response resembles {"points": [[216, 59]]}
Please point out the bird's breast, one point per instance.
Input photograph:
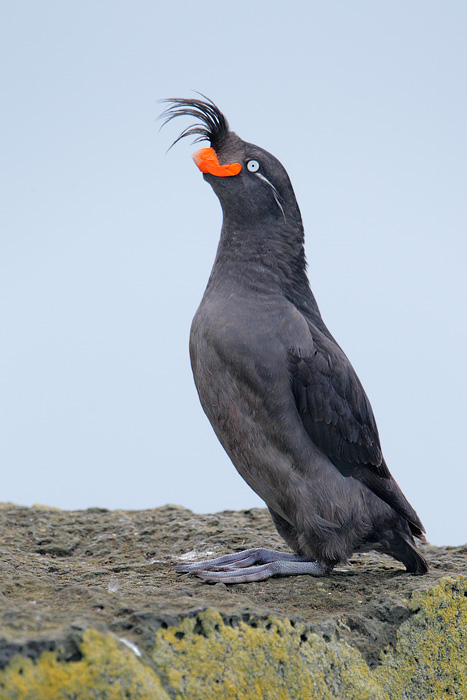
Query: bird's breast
{"points": [[238, 348], [247, 335]]}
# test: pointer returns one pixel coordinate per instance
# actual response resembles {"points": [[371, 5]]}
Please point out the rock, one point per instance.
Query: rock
{"points": [[91, 607]]}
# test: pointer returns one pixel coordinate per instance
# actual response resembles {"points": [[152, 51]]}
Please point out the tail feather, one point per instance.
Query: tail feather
{"points": [[389, 491], [402, 549]]}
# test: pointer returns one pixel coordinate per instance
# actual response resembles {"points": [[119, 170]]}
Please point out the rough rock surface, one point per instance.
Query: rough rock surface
{"points": [[91, 608]]}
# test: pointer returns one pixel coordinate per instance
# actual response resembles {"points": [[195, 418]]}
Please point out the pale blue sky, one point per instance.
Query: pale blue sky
{"points": [[107, 242]]}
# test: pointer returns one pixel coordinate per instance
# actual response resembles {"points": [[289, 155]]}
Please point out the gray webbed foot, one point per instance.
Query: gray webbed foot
{"points": [[252, 565]]}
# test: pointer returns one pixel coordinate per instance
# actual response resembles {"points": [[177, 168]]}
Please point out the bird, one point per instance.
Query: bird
{"points": [[281, 395]]}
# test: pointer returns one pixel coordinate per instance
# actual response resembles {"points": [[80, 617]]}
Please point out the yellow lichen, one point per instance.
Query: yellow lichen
{"points": [[107, 671], [204, 658], [430, 659]]}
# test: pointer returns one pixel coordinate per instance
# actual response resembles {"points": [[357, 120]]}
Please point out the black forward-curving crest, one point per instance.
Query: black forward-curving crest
{"points": [[214, 127]]}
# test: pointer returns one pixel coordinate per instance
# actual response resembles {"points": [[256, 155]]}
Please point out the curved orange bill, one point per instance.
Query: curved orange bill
{"points": [[207, 162]]}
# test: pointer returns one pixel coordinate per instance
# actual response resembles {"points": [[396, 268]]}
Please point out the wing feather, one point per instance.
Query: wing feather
{"points": [[337, 415], [334, 408]]}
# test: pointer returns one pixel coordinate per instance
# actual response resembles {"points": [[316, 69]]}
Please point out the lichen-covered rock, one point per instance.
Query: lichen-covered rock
{"points": [[205, 658], [91, 609], [106, 671], [430, 658], [270, 659]]}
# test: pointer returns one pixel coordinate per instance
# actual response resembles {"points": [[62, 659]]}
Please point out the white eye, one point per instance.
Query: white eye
{"points": [[252, 166]]}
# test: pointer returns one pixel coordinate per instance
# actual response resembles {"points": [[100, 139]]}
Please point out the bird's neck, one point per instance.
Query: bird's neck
{"points": [[268, 258]]}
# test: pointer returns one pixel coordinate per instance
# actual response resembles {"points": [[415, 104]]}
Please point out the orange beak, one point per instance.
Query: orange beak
{"points": [[207, 162]]}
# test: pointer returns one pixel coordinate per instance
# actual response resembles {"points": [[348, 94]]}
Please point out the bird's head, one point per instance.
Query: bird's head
{"points": [[250, 183]]}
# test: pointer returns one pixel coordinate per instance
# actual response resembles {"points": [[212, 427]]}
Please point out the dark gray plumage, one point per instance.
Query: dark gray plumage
{"points": [[280, 393]]}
